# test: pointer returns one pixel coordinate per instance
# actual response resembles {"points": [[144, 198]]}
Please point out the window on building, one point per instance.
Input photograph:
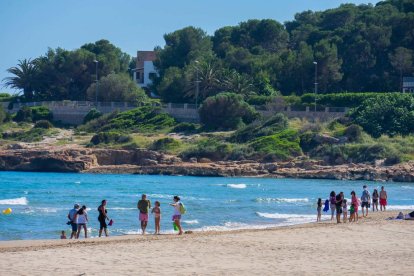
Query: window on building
{"points": [[152, 75]]}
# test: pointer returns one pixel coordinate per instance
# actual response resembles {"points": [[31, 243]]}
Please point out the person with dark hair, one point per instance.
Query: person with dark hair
{"points": [[143, 206], [365, 199], [82, 220], [157, 216], [354, 207], [383, 199], [177, 213], [338, 205], [319, 210], [72, 220], [332, 203], [102, 218], [375, 198]]}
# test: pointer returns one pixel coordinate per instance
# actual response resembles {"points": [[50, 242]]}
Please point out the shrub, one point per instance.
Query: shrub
{"points": [[33, 135], [353, 133], [280, 146], [165, 144], [226, 111], [23, 115], [41, 113], [340, 99], [3, 115], [259, 99], [43, 124], [389, 114], [185, 128], [210, 148], [110, 138], [92, 114], [267, 127]]}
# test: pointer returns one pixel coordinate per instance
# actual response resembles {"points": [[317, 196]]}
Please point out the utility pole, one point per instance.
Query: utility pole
{"points": [[316, 81]]}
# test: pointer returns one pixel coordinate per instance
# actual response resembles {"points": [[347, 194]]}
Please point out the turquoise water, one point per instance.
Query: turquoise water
{"points": [[41, 201]]}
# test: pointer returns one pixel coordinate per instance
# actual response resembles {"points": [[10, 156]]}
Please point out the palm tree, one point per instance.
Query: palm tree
{"points": [[232, 81], [208, 77], [25, 77]]}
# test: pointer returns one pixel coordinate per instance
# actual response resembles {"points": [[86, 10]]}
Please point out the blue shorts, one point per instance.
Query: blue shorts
{"points": [[74, 226]]}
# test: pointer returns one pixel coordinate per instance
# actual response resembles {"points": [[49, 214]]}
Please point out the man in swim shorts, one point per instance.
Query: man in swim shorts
{"points": [[338, 205], [143, 206], [383, 198]]}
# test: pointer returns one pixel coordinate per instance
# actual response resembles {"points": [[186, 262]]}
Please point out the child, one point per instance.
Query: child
{"points": [[157, 215], [345, 210], [319, 209], [63, 235]]}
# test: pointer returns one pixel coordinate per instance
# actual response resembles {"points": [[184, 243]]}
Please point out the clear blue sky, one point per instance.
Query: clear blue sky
{"points": [[29, 27]]}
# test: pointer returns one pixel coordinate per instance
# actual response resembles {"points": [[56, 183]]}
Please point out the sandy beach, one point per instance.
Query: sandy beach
{"points": [[374, 246]]}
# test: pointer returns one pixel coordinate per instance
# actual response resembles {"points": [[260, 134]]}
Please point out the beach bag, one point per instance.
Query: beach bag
{"points": [[175, 227], [111, 222], [326, 208], [182, 209]]}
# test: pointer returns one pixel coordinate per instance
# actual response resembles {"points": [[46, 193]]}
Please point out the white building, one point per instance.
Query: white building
{"points": [[408, 84], [145, 70]]}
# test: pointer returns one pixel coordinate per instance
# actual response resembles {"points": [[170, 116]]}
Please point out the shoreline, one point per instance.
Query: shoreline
{"points": [[308, 249], [189, 233]]}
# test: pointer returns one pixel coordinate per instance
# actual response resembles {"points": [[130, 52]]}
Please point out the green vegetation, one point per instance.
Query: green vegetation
{"points": [[226, 111], [43, 124], [117, 88], [141, 119], [166, 144], [92, 115], [33, 114], [280, 146], [110, 137], [187, 128], [29, 136], [391, 114]]}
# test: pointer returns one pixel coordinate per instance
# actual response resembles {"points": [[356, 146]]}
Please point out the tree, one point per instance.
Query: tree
{"points": [[208, 76], [226, 111], [329, 65], [172, 86], [25, 77], [117, 88], [240, 84], [389, 114], [402, 61]]}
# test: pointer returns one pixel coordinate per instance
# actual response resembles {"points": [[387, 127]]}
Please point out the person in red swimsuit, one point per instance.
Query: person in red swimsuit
{"points": [[383, 199]]}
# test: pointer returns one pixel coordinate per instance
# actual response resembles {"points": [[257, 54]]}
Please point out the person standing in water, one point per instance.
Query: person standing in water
{"points": [[383, 199], [375, 198], [157, 216], [365, 199], [73, 224], [177, 214], [332, 204], [103, 216], [82, 220], [143, 206], [319, 210]]}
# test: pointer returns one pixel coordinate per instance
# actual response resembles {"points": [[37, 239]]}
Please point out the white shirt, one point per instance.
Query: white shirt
{"points": [[81, 218], [177, 211]]}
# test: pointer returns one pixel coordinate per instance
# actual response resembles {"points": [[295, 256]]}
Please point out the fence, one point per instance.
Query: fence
{"points": [[73, 112]]}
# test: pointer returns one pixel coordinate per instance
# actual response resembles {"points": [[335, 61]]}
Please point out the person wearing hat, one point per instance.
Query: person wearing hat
{"points": [[71, 217]]}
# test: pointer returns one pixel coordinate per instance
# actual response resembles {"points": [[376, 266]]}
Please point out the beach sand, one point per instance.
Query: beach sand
{"points": [[374, 246]]}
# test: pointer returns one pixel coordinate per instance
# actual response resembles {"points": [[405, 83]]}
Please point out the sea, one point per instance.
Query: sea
{"points": [[40, 202]]}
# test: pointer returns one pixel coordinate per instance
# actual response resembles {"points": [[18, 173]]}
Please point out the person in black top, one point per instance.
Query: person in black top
{"points": [[338, 204], [103, 216]]}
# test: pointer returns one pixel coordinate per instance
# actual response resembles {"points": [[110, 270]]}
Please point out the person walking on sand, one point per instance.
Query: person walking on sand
{"points": [[375, 198], [157, 216], [72, 220], [355, 204], [319, 210], [365, 199], [143, 206], [383, 199], [102, 218], [177, 213], [332, 203], [82, 220], [338, 205], [345, 210]]}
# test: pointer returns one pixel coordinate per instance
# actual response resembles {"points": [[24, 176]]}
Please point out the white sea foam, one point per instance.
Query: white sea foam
{"points": [[283, 216], [77, 182], [14, 201], [122, 208], [237, 186], [283, 200], [408, 187], [400, 207], [194, 221]]}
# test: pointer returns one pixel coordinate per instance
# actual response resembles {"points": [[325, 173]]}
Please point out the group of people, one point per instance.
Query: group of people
{"points": [[338, 204], [78, 217]]}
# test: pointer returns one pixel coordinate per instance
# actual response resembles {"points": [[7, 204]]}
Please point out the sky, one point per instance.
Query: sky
{"points": [[29, 28]]}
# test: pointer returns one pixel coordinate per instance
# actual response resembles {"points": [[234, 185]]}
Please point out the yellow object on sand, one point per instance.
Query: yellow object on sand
{"points": [[7, 211]]}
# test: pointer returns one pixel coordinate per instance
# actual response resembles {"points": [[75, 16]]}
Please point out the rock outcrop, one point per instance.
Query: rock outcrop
{"points": [[142, 161]]}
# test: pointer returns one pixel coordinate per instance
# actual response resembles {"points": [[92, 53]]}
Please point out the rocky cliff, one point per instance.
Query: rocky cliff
{"points": [[142, 161]]}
